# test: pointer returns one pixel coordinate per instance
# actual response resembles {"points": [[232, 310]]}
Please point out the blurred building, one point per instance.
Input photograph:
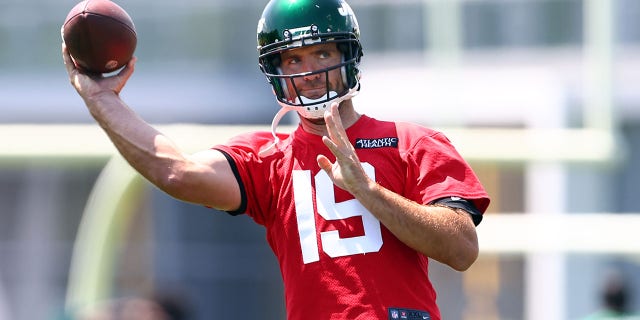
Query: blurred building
{"points": [[460, 64]]}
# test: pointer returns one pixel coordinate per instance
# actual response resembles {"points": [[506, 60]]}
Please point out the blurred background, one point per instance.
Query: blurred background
{"points": [[541, 96]]}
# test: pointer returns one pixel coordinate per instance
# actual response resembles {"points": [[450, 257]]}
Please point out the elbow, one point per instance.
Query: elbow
{"points": [[459, 259], [172, 184], [464, 261], [465, 256]]}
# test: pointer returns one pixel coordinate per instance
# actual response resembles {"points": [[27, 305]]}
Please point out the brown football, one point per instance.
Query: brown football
{"points": [[99, 35]]}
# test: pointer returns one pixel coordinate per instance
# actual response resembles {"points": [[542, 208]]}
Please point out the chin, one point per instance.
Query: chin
{"points": [[316, 121]]}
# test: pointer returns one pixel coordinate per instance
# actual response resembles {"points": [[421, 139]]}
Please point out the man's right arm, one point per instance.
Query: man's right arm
{"points": [[205, 178]]}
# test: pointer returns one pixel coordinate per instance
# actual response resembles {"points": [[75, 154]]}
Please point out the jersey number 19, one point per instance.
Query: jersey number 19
{"points": [[328, 209]]}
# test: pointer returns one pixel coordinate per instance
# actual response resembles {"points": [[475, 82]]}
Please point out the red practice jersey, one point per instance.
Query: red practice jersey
{"points": [[337, 260]]}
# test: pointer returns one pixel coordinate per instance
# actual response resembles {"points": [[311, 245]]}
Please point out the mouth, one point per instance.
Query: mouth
{"points": [[313, 93]]}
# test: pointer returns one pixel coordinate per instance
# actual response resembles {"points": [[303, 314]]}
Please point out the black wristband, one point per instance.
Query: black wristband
{"points": [[460, 203]]}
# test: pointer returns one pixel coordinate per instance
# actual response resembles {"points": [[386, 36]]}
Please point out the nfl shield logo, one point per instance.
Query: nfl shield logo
{"points": [[394, 314]]}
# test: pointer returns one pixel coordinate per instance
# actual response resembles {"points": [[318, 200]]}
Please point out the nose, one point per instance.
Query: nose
{"points": [[311, 77], [310, 66]]}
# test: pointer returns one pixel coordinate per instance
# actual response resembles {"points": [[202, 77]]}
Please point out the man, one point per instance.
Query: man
{"points": [[353, 206]]}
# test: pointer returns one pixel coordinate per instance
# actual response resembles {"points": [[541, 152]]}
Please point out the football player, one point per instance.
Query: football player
{"points": [[354, 207]]}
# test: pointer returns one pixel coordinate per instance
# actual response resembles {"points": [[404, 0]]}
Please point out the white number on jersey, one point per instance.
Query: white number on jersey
{"points": [[332, 244]]}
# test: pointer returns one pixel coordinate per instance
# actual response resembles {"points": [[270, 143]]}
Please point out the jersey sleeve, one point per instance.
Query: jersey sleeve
{"points": [[242, 153], [436, 170]]}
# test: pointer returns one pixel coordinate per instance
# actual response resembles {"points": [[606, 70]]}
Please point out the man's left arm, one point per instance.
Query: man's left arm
{"points": [[438, 231], [442, 233]]}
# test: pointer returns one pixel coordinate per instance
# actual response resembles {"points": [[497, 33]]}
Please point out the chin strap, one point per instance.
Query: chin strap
{"points": [[269, 150]]}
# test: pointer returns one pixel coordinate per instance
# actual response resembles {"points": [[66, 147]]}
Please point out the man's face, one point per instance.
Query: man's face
{"points": [[308, 59]]}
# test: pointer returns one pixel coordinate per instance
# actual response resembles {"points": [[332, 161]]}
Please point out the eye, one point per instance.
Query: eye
{"points": [[324, 54], [292, 60]]}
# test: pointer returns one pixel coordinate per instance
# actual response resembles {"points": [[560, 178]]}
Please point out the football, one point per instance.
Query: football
{"points": [[99, 35]]}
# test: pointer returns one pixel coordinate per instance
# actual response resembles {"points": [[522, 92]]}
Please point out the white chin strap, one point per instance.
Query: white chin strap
{"points": [[310, 110]]}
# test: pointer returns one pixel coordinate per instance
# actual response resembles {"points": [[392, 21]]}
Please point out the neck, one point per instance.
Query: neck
{"points": [[348, 115]]}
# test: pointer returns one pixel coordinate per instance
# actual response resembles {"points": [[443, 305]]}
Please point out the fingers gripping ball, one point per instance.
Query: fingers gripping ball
{"points": [[99, 35]]}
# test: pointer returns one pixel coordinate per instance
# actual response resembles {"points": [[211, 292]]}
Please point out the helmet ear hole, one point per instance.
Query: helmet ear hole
{"points": [[351, 50], [270, 65], [344, 73], [282, 82]]}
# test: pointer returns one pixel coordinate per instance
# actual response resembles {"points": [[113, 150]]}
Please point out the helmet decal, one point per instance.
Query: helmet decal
{"points": [[291, 34]]}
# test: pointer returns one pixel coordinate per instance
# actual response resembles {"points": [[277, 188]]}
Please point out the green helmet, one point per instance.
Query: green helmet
{"points": [[287, 24]]}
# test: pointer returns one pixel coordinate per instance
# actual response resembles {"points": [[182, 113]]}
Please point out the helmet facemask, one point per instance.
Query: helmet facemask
{"points": [[284, 87]]}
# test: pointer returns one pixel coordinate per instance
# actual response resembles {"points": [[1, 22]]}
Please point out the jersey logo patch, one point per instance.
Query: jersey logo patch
{"points": [[391, 142], [408, 314]]}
